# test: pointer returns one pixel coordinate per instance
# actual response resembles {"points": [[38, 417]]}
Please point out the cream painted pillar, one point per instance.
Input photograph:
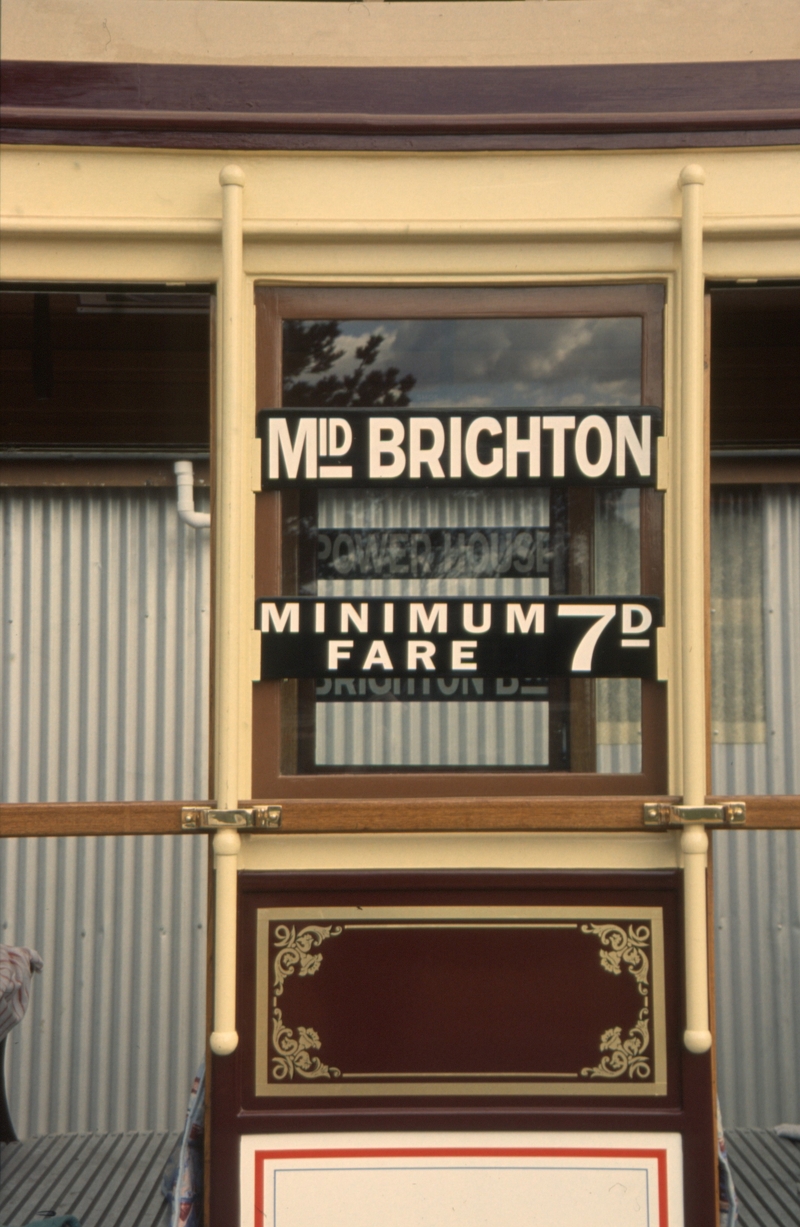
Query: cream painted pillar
{"points": [[228, 611], [694, 841]]}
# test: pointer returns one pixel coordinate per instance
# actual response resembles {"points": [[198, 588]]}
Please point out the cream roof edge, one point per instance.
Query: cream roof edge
{"points": [[423, 33]]}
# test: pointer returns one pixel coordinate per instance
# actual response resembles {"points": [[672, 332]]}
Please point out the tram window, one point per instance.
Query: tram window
{"points": [[104, 369], [529, 541], [755, 539], [105, 592]]}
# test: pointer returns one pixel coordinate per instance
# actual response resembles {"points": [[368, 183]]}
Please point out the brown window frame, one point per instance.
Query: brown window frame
{"points": [[273, 305]]}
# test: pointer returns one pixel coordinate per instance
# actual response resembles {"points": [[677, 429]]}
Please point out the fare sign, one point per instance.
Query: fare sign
{"points": [[495, 447], [592, 636]]}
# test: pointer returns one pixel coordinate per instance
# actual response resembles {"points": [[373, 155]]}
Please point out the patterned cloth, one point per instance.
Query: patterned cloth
{"points": [[17, 965], [728, 1201], [182, 1185]]}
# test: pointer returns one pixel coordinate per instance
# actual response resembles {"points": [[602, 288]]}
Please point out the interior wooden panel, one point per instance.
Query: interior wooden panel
{"points": [[76, 379], [755, 367]]}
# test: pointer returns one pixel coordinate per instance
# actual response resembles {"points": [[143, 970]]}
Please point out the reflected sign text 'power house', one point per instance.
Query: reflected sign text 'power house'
{"points": [[606, 446]]}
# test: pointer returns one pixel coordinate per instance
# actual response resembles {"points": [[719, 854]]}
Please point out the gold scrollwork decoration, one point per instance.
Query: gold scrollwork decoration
{"points": [[295, 951], [294, 1052], [624, 1056], [624, 948]]}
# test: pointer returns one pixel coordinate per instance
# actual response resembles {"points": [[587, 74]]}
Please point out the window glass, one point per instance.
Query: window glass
{"points": [[755, 539], [104, 589], [533, 541]]}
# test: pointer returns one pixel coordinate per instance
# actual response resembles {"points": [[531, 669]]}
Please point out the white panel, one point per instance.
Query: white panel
{"points": [[473, 1179]]}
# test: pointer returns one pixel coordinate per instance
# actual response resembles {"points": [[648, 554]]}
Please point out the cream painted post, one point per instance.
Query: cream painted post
{"points": [[227, 844], [694, 841]]}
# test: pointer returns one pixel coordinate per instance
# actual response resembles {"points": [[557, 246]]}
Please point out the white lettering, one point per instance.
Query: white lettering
{"points": [[338, 649], [359, 618], [421, 653], [464, 654], [469, 619], [340, 447], [290, 615], [420, 620], [516, 619], [323, 436], [531, 445], [559, 426], [582, 660], [378, 655], [490, 426], [385, 439], [388, 618], [640, 451], [419, 455], [455, 447], [638, 628], [280, 441], [319, 618], [599, 466]]}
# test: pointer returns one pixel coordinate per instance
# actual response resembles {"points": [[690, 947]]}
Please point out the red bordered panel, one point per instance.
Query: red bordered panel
{"points": [[450, 1001]]}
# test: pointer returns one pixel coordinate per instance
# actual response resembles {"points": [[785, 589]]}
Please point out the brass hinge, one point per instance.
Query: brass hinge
{"points": [[663, 814], [203, 818]]}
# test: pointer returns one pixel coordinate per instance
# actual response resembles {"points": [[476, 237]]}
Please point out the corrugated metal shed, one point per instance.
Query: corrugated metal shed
{"points": [[104, 686], [757, 917], [111, 1180], [766, 1173], [755, 626], [104, 696], [756, 707]]}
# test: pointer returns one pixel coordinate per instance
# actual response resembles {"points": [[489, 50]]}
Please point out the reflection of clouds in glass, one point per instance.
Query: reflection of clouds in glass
{"points": [[522, 362]]}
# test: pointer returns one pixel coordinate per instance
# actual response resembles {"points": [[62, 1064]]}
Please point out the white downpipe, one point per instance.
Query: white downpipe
{"points": [[227, 844], [694, 841], [184, 475]]}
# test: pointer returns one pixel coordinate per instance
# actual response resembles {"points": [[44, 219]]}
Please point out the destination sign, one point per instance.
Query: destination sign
{"points": [[432, 553], [594, 636], [495, 447]]}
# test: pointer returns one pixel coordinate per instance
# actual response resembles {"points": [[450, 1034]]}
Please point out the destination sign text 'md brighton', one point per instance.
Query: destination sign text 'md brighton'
{"points": [[504, 637], [434, 447]]}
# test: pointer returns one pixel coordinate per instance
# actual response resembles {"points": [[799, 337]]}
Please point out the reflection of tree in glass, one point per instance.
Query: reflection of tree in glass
{"points": [[310, 349]]}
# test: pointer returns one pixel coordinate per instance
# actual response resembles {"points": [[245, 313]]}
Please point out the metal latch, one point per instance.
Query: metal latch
{"points": [[663, 814], [203, 818]]}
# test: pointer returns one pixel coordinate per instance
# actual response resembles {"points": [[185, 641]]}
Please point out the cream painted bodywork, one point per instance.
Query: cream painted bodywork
{"points": [[448, 32], [470, 850]]}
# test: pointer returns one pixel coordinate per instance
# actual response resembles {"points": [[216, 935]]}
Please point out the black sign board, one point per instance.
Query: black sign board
{"points": [[432, 553], [539, 637], [439, 448]]}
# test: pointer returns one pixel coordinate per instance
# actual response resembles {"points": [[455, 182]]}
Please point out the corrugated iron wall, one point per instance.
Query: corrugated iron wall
{"points": [[104, 696], [756, 718], [757, 915], [116, 1023], [104, 690]]}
